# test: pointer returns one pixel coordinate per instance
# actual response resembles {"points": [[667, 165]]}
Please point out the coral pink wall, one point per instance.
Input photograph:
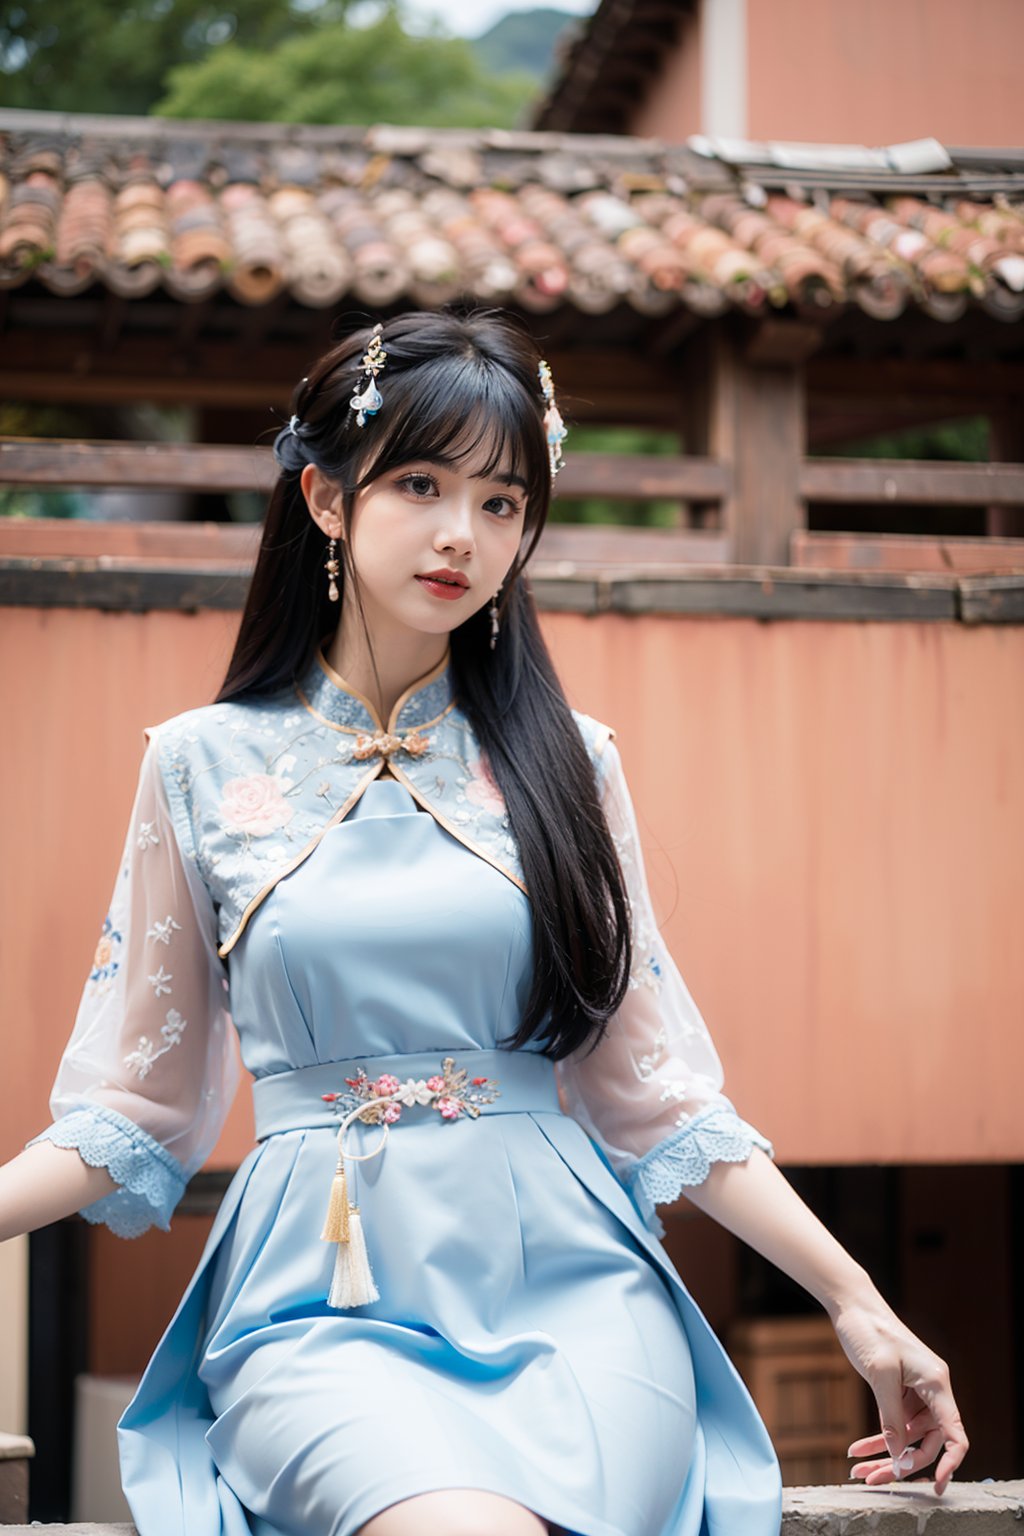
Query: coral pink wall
{"points": [[870, 73], [833, 816], [671, 107], [877, 72]]}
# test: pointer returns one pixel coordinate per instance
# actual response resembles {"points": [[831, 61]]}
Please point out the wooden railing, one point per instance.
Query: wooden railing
{"points": [[699, 483]]}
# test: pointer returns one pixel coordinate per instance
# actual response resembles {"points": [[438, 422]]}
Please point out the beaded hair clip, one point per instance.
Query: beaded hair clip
{"points": [[369, 400], [554, 427]]}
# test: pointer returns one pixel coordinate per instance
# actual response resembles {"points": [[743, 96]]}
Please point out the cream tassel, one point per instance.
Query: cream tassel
{"points": [[352, 1284]]}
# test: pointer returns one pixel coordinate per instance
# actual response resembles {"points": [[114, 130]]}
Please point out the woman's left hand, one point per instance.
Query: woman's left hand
{"points": [[912, 1389]]}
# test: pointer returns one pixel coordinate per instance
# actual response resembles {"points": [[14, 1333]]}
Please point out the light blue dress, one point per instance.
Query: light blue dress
{"points": [[530, 1336]]}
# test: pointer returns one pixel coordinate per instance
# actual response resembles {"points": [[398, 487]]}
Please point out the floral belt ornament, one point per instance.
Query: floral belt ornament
{"points": [[380, 1101]]}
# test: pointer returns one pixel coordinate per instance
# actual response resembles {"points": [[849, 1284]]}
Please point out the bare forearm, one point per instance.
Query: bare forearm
{"points": [[756, 1202], [44, 1183]]}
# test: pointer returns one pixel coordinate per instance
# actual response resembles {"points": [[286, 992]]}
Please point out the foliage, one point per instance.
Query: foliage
{"points": [[376, 73], [261, 60], [105, 56], [947, 440]]}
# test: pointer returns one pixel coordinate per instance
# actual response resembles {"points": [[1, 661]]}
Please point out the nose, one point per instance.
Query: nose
{"points": [[455, 526]]}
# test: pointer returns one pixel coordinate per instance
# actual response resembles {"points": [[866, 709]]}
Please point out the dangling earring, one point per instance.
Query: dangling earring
{"points": [[493, 611], [332, 568]]}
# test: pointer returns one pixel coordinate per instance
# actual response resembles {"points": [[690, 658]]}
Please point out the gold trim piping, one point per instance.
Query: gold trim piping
{"points": [[414, 687], [225, 949], [449, 827], [339, 682], [359, 730]]}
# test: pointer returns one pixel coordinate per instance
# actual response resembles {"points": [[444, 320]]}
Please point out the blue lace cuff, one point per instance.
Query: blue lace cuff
{"points": [[716, 1134], [152, 1180]]}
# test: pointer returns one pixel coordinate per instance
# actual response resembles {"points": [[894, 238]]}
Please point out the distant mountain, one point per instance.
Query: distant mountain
{"points": [[523, 43]]}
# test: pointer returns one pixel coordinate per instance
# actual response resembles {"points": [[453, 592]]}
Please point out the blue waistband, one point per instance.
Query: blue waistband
{"points": [[289, 1101]]}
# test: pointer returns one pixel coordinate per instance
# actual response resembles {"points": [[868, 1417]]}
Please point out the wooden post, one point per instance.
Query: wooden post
{"points": [[1006, 446], [753, 422]]}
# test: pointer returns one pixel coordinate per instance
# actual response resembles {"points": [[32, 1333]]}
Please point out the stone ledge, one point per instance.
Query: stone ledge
{"points": [[966, 1509], [909, 1509]]}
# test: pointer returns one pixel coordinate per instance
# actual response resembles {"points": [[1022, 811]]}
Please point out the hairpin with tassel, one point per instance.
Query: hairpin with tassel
{"points": [[368, 401], [554, 427]]}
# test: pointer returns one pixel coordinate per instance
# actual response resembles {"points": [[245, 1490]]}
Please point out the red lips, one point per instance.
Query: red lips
{"points": [[446, 574]]}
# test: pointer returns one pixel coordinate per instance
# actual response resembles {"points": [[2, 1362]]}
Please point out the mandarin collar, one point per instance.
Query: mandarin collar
{"points": [[327, 694]]}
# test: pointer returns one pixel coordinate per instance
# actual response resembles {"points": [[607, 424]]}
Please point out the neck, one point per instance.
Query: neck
{"points": [[402, 658]]}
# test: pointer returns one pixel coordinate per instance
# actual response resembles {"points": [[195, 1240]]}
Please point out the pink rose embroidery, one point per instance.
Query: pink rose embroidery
{"points": [[482, 790], [254, 805]]}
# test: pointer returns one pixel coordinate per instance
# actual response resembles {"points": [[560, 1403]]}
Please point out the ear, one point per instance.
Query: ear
{"points": [[323, 498]]}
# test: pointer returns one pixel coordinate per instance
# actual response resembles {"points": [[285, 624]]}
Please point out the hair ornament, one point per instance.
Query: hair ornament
{"points": [[289, 450], [368, 401], [554, 427]]}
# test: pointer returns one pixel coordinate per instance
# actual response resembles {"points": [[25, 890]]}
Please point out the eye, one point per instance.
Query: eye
{"points": [[503, 506], [419, 485]]}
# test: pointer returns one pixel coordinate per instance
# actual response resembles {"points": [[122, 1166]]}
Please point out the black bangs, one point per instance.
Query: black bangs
{"points": [[455, 410]]}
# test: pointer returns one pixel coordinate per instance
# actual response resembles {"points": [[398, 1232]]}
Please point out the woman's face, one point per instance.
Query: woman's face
{"points": [[432, 541]]}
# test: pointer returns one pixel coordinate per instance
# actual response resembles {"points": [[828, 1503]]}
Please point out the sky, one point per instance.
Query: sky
{"points": [[468, 18]]}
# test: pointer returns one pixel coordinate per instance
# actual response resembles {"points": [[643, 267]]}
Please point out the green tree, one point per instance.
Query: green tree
{"points": [[375, 73], [106, 56], [261, 60]]}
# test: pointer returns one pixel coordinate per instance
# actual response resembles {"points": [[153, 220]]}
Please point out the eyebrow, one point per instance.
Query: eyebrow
{"points": [[443, 461]]}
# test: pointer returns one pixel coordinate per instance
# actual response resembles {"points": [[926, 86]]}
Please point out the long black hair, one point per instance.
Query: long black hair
{"points": [[455, 382]]}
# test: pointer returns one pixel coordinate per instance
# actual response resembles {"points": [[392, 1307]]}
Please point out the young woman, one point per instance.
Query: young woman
{"points": [[433, 1298]]}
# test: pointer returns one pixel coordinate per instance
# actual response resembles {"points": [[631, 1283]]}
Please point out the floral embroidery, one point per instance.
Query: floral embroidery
{"points": [[675, 1091], [105, 963], [237, 773], [147, 838], [482, 790], [648, 1063], [647, 974], [145, 1053], [255, 805], [448, 1092], [161, 982], [161, 932]]}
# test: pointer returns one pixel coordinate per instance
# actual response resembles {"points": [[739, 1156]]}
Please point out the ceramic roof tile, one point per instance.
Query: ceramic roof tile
{"points": [[388, 216]]}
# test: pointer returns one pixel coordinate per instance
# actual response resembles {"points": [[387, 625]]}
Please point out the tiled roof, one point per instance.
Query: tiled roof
{"points": [[395, 216]]}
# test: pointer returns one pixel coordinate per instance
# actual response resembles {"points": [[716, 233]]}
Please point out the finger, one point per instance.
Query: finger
{"points": [[940, 1400], [869, 1445], [874, 1445], [875, 1474], [956, 1448], [864, 1469], [888, 1389]]}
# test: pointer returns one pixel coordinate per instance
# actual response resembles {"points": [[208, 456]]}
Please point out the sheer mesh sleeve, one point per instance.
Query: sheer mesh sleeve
{"points": [[650, 1093], [149, 1073]]}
